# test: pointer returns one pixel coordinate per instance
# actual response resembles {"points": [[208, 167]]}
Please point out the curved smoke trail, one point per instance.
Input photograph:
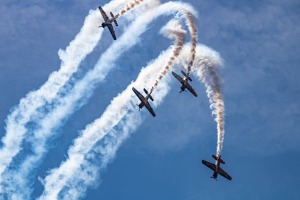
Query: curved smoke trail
{"points": [[177, 33], [72, 100], [130, 6], [78, 49], [214, 93], [209, 75], [119, 107], [193, 33], [113, 128]]}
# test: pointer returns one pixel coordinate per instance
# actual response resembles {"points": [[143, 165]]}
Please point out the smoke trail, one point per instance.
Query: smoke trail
{"points": [[193, 33], [78, 49], [86, 156], [73, 100], [94, 132], [118, 108], [209, 75], [190, 23], [129, 6], [213, 90], [179, 35]]}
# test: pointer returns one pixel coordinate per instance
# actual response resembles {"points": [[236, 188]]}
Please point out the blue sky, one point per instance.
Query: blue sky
{"points": [[259, 42]]}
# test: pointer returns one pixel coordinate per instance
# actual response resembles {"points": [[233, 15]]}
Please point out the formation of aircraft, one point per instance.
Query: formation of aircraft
{"points": [[216, 167], [108, 22], [184, 85], [184, 82], [144, 100]]}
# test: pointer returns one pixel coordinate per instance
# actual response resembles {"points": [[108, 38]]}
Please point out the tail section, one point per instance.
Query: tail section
{"points": [[148, 94], [189, 78], [114, 18], [218, 158]]}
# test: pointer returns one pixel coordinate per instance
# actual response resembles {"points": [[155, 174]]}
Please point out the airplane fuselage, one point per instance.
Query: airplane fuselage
{"points": [[216, 172], [215, 175], [144, 102], [217, 163], [184, 84], [108, 22]]}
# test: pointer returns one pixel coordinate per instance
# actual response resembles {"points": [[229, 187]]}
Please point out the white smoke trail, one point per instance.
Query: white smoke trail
{"points": [[78, 49], [118, 108], [179, 35], [209, 75], [214, 92], [121, 111], [81, 92], [193, 33], [128, 7]]}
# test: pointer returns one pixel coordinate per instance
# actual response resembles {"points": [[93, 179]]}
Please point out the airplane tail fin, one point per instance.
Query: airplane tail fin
{"points": [[216, 158], [115, 21], [146, 91], [189, 78]]}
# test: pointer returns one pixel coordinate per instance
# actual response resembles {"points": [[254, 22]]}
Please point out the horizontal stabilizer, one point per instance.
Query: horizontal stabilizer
{"points": [[115, 21], [189, 78], [150, 97], [146, 91], [216, 158]]}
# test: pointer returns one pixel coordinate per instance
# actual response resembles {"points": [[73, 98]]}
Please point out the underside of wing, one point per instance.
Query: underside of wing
{"points": [[138, 94], [189, 87], [224, 174], [150, 110], [103, 13], [209, 165], [112, 32], [177, 77]]}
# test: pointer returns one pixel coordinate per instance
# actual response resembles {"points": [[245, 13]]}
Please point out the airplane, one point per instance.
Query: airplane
{"points": [[216, 167], [144, 100], [108, 22], [184, 82]]}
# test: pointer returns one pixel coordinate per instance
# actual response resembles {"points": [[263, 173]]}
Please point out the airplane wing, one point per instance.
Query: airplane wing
{"points": [[224, 174], [138, 94], [189, 87], [177, 77], [112, 32], [209, 165], [103, 14], [150, 110]]}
